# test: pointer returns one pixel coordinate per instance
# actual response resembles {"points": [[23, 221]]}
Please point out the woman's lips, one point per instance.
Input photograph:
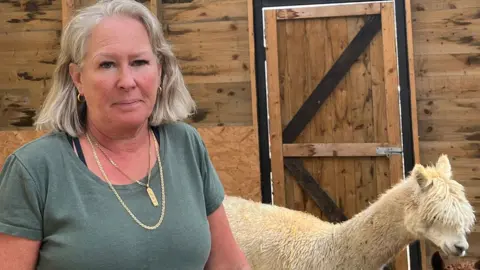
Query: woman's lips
{"points": [[127, 104]]}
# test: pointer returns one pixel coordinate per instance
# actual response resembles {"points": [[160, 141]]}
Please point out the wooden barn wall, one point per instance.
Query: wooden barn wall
{"points": [[446, 46], [211, 39]]}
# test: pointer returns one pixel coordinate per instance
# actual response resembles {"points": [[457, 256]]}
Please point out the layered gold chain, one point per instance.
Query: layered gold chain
{"points": [[118, 196], [150, 192]]}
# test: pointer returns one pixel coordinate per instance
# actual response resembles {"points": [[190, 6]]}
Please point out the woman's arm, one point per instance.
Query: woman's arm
{"points": [[225, 252], [18, 253]]}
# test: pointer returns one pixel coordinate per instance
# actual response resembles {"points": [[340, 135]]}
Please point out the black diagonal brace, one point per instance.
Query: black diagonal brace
{"points": [[308, 183], [332, 78]]}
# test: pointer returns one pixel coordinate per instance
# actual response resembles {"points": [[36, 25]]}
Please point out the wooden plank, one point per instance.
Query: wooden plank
{"points": [[29, 6], [210, 32], [328, 11], [29, 41], [342, 97], [205, 11], [449, 109], [17, 110], [449, 130], [251, 48], [68, 8], [458, 65], [464, 157], [320, 129], [308, 183], [419, 6], [207, 53], [448, 87], [413, 106], [153, 5], [30, 21], [332, 149], [392, 105], [361, 188], [451, 31], [381, 168], [293, 71], [331, 79], [274, 102]]}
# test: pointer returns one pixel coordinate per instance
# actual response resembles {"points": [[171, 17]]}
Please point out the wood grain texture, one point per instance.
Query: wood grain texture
{"points": [[446, 48], [353, 114], [204, 11], [331, 149], [274, 105], [328, 11], [214, 44]]}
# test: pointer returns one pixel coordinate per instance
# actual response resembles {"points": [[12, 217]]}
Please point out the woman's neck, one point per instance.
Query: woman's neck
{"points": [[119, 141]]}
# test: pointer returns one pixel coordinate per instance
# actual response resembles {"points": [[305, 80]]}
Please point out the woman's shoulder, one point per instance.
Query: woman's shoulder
{"points": [[47, 145], [180, 130]]}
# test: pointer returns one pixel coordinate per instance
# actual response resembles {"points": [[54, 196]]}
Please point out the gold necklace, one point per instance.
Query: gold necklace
{"points": [[150, 192], [120, 199]]}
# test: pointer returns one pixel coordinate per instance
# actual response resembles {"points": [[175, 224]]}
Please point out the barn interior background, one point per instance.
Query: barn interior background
{"points": [[216, 43]]}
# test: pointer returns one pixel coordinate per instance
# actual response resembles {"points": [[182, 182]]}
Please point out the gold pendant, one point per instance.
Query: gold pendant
{"points": [[152, 196]]}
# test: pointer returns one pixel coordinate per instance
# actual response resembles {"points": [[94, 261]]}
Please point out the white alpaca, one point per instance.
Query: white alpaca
{"points": [[428, 204]]}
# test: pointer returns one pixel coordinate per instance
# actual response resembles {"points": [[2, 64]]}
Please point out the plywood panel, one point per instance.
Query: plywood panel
{"points": [[233, 151]]}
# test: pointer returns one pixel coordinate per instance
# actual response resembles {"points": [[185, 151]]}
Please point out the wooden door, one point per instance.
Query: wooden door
{"points": [[334, 121]]}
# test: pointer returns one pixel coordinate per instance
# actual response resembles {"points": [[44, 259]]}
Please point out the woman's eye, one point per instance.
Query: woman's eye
{"points": [[106, 64], [140, 62]]}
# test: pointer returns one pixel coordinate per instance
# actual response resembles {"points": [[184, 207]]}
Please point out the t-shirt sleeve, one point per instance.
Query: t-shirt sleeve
{"points": [[20, 203], [213, 188]]}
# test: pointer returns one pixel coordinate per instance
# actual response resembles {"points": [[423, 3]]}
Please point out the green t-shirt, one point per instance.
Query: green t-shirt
{"points": [[47, 193]]}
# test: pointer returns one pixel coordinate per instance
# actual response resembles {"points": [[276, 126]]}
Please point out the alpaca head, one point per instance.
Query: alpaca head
{"points": [[440, 211], [438, 264]]}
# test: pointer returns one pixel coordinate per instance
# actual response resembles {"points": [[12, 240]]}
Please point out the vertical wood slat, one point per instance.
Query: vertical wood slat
{"points": [[392, 105], [251, 47], [274, 103], [413, 106], [68, 7]]}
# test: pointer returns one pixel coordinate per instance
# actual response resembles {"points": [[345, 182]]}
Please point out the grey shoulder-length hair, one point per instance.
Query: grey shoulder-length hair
{"points": [[62, 112]]}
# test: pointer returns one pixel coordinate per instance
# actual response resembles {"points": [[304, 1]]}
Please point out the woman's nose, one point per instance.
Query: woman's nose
{"points": [[126, 79]]}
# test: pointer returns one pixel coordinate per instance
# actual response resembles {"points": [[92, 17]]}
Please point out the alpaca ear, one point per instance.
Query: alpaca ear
{"points": [[437, 261], [420, 175], [444, 167]]}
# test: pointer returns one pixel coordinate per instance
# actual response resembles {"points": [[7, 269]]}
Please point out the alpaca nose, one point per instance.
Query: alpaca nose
{"points": [[460, 249]]}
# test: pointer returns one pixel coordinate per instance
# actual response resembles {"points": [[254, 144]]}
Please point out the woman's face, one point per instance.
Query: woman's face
{"points": [[120, 76]]}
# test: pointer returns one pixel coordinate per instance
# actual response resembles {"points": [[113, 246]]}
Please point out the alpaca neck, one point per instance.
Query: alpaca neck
{"points": [[378, 233]]}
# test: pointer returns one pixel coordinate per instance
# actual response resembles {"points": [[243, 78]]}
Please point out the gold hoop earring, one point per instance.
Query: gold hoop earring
{"points": [[79, 98]]}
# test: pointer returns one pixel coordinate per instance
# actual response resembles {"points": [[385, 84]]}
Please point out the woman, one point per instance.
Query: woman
{"points": [[120, 182]]}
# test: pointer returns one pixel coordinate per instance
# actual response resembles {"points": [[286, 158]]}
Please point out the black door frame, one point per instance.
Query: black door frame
{"points": [[404, 83]]}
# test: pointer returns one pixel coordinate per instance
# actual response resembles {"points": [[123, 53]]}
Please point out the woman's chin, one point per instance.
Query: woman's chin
{"points": [[132, 121]]}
